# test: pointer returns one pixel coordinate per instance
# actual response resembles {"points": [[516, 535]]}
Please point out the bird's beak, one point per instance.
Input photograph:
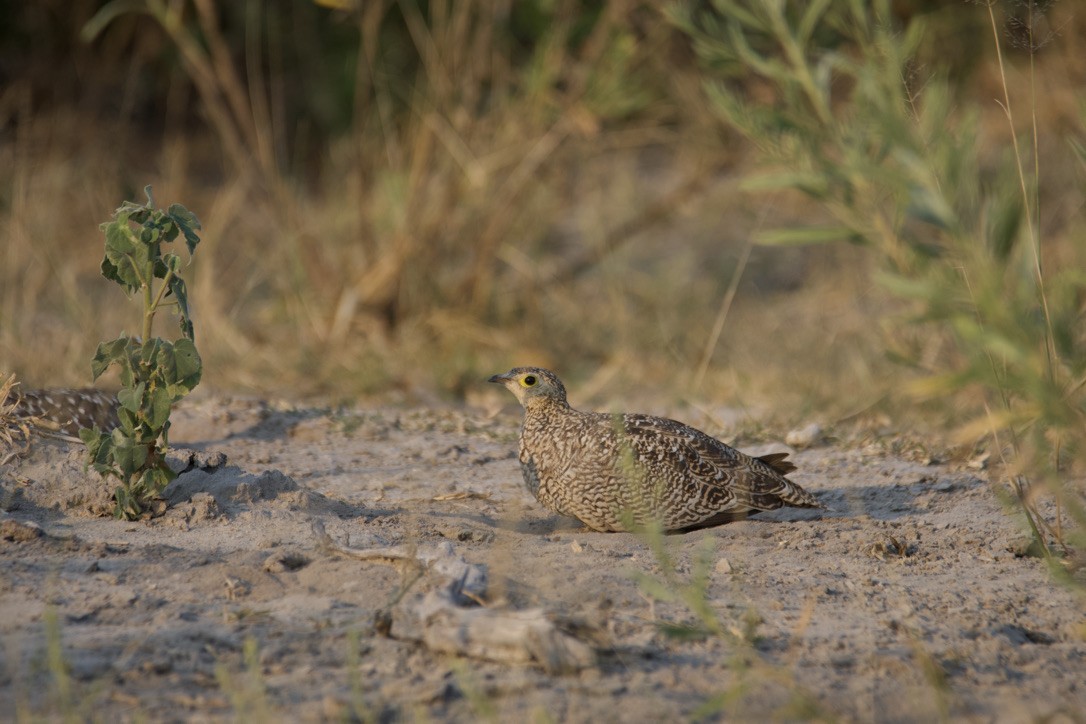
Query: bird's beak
{"points": [[499, 379]]}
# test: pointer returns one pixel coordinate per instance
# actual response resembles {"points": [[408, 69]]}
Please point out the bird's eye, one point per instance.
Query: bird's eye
{"points": [[530, 380]]}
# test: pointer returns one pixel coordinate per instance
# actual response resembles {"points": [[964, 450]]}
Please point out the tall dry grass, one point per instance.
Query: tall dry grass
{"points": [[403, 198], [501, 195]]}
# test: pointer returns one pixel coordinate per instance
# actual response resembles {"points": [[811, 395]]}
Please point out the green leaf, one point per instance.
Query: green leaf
{"points": [[1004, 221], [906, 286], [806, 235], [187, 223], [126, 507], [810, 20], [129, 455], [158, 412], [168, 227], [813, 184], [172, 262], [93, 439], [188, 364], [735, 11], [131, 398], [930, 206], [159, 477], [107, 354], [655, 588], [153, 350], [129, 420], [107, 14], [180, 294], [120, 245], [682, 632]]}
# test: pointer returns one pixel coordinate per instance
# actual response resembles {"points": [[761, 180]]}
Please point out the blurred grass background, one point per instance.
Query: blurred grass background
{"points": [[408, 196]]}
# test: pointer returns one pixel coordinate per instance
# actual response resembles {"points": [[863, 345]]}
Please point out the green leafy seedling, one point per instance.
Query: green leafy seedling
{"points": [[155, 373]]}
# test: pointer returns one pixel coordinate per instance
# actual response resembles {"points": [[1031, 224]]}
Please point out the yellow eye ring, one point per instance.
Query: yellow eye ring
{"points": [[528, 380]]}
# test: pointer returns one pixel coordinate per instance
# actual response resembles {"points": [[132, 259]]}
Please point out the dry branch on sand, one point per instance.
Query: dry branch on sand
{"points": [[445, 613]]}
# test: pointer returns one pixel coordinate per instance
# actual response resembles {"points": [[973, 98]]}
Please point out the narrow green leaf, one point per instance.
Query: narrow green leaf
{"points": [[907, 287], [806, 235], [812, 15], [107, 14], [180, 293], [655, 588], [931, 207], [813, 184], [736, 12], [1004, 222], [682, 632]]}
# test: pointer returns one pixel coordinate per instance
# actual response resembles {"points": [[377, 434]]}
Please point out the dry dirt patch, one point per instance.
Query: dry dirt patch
{"points": [[903, 601]]}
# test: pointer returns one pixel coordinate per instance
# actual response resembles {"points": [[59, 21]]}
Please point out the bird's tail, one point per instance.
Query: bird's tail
{"points": [[778, 462]]}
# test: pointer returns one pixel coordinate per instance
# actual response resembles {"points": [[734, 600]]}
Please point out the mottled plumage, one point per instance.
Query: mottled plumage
{"points": [[70, 410], [611, 471]]}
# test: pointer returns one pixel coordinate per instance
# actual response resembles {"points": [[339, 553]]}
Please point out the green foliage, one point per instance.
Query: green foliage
{"points": [[671, 588], [741, 634], [154, 373], [247, 689], [893, 163]]}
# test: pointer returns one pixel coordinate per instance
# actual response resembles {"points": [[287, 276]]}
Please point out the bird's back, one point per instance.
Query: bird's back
{"points": [[69, 410]]}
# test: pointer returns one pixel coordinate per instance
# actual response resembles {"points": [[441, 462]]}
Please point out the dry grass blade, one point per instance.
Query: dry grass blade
{"points": [[12, 427], [16, 428], [463, 495]]}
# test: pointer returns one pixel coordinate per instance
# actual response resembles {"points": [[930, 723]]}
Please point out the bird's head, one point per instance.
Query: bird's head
{"points": [[533, 386]]}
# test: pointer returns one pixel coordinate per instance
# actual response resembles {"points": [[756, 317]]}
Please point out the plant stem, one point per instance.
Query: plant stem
{"points": [[163, 288], [1031, 211], [725, 307], [148, 312]]}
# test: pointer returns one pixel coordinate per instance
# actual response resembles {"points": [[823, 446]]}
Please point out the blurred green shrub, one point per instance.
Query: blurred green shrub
{"points": [[884, 149]]}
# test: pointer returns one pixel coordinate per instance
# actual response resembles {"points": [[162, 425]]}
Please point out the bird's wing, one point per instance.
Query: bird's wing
{"points": [[670, 449]]}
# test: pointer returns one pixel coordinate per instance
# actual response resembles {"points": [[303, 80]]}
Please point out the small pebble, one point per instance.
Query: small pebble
{"points": [[19, 531], [281, 562], [805, 436]]}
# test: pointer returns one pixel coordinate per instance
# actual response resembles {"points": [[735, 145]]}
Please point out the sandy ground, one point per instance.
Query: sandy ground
{"points": [[906, 600]]}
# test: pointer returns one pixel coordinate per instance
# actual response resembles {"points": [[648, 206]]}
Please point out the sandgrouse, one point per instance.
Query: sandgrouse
{"points": [[616, 471]]}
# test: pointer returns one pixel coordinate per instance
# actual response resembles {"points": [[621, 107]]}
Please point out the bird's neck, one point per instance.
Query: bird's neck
{"points": [[547, 407]]}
